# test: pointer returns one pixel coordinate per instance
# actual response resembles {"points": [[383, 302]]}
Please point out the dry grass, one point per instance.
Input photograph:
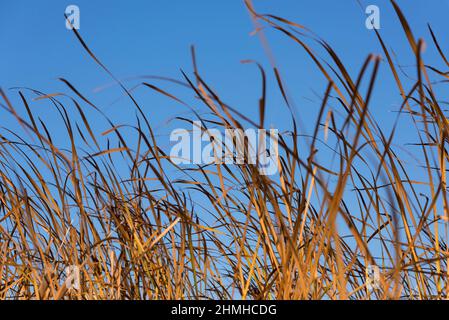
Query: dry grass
{"points": [[227, 232]]}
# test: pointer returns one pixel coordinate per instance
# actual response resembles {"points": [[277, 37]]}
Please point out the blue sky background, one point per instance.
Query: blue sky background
{"points": [[136, 38], [153, 38]]}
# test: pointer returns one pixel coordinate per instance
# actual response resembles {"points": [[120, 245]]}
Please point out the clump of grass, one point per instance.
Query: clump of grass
{"points": [[109, 205]]}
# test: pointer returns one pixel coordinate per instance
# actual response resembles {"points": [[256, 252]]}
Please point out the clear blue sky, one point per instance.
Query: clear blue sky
{"points": [[153, 37], [136, 38]]}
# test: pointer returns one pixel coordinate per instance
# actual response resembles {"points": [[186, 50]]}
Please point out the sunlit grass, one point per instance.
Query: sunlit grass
{"points": [[309, 232]]}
